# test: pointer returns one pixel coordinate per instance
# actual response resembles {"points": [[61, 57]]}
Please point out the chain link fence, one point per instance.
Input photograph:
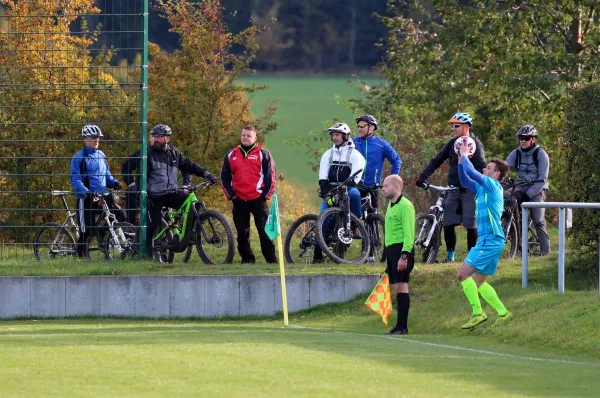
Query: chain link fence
{"points": [[63, 65]]}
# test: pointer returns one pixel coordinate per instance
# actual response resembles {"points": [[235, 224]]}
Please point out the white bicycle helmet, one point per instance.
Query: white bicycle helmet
{"points": [[340, 128], [91, 131]]}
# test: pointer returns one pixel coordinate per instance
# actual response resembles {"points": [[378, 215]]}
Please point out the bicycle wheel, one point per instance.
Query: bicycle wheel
{"points": [[162, 249], [188, 252], [339, 245], [375, 224], [53, 241], [512, 238], [533, 242], [425, 251], [300, 240], [214, 238], [126, 237]]}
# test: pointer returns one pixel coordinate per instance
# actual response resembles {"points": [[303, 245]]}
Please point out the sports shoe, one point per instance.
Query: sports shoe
{"points": [[317, 260], [397, 331], [475, 320], [503, 318], [447, 261]]}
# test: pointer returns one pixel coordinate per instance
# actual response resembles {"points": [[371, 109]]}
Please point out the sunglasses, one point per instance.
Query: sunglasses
{"points": [[524, 138], [455, 126], [360, 126]]}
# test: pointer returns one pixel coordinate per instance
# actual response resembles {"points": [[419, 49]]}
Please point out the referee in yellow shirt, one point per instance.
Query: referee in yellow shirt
{"points": [[399, 239]]}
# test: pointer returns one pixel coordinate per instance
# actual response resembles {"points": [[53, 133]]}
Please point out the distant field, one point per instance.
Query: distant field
{"points": [[304, 104]]}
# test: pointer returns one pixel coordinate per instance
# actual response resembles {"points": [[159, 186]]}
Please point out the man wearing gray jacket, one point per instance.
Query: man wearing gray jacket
{"points": [[532, 164]]}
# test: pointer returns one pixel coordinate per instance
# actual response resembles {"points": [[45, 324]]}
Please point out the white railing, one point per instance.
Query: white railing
{"points": [[561, 237]]}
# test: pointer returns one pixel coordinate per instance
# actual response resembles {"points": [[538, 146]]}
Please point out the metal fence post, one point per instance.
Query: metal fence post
{"points": [[144, 136], [524, 246], [561, 250]]}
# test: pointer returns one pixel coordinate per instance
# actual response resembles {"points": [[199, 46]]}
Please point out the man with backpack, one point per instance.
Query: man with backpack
{"points": [[532, 165]]}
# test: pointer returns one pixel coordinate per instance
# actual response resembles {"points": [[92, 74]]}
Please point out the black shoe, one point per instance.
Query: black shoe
{"points": [[396, 330]]}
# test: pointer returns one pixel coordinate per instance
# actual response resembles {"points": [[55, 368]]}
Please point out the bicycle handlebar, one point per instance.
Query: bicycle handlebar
{"points": [[511, 183], [345, 183], [441, 189]]}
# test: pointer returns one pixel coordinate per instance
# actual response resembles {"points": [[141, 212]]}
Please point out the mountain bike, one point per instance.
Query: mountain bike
{"points": [[511, 223], [115, 239], [374, 223], [428, 232], [193, 224], [340, 234]]}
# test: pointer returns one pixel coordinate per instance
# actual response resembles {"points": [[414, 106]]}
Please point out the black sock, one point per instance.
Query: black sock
{"points": [[450, 238], [403, 300], [471, 237]]}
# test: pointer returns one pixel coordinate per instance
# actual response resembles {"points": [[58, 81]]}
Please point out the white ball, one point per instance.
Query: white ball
{"points": [[470, 144]]}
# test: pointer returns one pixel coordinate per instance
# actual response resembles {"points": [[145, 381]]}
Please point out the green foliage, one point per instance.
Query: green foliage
{"points": [[507, 63], [582, 145]]}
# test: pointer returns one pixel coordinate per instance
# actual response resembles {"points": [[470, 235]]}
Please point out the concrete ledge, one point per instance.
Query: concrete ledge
{"points": [[172, 296]]}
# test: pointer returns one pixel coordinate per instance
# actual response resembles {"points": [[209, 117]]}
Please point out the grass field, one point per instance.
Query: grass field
{"points": [[304, 104], [550, 348]]}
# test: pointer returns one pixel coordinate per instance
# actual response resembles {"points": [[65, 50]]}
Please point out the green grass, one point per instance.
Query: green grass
{"points": [[550, 348], [304, 104]]}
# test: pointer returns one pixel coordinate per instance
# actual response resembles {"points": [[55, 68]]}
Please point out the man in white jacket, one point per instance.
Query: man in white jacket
{"points": [[337, 164]]}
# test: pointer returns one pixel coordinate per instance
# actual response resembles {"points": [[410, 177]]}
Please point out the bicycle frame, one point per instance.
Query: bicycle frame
{"points": [[69, 222], [438, 212], [111, 219], [182, 213]]}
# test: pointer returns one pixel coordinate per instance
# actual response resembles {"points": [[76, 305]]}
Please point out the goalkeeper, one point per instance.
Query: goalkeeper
{"points": [[483, 258]]}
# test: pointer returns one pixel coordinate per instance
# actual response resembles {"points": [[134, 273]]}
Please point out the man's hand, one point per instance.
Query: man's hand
{"points": [[402, 264], [117, 185], [464, 149], [421, 183], [211, 178]]}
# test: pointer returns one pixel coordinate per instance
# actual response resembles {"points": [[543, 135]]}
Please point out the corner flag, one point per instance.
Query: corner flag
{"points": [[380, 299], [272, 227], [273, 231]]}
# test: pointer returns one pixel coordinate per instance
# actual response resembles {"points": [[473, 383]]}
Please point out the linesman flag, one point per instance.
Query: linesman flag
{"points": [[272, 227], [380, 299]]}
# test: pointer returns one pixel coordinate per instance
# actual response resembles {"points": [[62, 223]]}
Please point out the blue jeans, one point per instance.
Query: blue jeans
{"points": [[355, 208]]}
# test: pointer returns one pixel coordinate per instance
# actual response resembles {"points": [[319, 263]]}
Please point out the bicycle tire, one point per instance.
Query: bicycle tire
{"points": [[215, 239], [162, 250], [512, 237], [427, 254], [60, 235], [376, 236], [356, 223], [303, 239], [188, 253], [129, 245]]}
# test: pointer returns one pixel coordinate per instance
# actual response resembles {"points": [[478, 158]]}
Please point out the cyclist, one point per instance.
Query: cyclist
{"points": [[460, 206], [132, 195], [90, 174], [375, 150], [163, 162], [532, 164], [337, 164]]}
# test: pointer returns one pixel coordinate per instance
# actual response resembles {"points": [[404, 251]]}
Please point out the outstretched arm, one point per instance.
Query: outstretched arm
{"points": [[469, 177]]}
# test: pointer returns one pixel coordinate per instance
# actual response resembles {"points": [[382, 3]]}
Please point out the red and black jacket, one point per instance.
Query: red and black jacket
{"points": [[248, 175]]}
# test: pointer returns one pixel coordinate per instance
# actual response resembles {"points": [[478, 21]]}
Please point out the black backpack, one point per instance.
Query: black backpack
{"points": [[535, 158]]}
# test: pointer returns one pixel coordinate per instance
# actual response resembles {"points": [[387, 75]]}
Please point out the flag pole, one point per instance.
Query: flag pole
{"points": [[273, 231], [286, 321]]}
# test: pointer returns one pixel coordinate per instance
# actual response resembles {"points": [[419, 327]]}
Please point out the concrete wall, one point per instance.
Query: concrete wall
{"points": [[172, 296]]}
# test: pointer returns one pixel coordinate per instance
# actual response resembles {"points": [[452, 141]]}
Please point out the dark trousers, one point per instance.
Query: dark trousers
{"points": [[241, 218], [87, 210], [155, 205], [132, 200]]}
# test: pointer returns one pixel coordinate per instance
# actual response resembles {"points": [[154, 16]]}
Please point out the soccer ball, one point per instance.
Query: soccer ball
{"points": [[470, 143]]}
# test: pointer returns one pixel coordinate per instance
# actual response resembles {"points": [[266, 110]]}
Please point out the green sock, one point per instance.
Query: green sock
{"points": [[470, 288], [489, 294]]}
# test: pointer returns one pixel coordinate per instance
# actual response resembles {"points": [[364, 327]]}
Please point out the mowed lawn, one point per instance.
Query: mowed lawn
{"points": [[236, 358], [304, 104]]}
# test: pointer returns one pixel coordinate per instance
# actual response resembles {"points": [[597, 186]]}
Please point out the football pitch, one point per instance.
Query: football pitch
{"points": [[122, 357]]}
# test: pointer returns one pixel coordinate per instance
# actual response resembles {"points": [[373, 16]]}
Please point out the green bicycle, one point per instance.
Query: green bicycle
{"points": [[193, 224]]}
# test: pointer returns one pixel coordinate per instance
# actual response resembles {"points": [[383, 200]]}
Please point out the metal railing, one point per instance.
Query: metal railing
{"points": [[562, 206]]}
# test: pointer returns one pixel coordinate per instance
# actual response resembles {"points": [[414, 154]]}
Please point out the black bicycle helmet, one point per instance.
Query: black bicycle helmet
{"points": [[527, 131], [161, 129], [367, 118]]}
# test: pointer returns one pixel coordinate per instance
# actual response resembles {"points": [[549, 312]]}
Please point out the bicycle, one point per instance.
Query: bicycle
{"points": [[193, 224], [428, 233], [341, 234], [374, 223], [511, 222], [60, 239]]}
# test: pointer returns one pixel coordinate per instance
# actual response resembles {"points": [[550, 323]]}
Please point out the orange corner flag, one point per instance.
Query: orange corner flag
{"points": [[380, 299]]}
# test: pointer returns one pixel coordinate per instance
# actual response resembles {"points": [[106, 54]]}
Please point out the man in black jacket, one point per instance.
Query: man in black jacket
{"points": [[460, 206], [163, 163]]}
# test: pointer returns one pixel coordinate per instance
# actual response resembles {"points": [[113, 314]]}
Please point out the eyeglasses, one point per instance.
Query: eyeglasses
{"points": [[455, 126], [524, 138], [360, 126]]}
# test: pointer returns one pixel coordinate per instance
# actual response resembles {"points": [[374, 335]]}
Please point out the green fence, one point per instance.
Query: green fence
{"points": [[64, 65]]}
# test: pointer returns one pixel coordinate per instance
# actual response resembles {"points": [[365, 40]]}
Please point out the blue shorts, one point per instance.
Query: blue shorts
{"points": [[484, 256]]}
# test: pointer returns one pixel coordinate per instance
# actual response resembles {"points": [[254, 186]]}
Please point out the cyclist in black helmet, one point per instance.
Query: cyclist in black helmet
{"points": [[532, 164]]}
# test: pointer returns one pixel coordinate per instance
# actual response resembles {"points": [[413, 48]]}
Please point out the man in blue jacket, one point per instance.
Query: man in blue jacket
{"points": [[90, 174], [375, 150]]}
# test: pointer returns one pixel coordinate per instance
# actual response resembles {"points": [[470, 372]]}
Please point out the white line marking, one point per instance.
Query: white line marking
{"points": [[452, 347]]}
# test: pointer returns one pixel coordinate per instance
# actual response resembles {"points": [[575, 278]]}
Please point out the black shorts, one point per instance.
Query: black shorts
{"points": [[393, 253]]}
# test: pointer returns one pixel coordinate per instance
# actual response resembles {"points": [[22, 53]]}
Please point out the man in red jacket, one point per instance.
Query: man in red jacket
{"points": [[248, 179]]}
